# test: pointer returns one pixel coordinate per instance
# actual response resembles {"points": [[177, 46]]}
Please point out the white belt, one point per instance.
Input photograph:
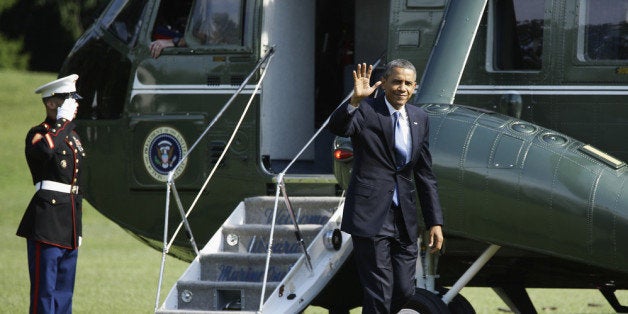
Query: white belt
{"points": [[56, 186]]}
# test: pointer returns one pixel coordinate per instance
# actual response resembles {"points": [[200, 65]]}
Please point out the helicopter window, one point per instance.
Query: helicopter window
{"points": [[217, 22], [606, 30], [127, 23], [518, 34], [171, 20]]}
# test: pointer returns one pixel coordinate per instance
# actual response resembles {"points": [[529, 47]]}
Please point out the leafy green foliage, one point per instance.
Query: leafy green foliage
{"points": [[43, 31], [11, 55]]}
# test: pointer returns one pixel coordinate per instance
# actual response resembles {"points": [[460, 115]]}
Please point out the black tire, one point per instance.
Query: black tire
{"points": [[424, 302], [459, 304]]}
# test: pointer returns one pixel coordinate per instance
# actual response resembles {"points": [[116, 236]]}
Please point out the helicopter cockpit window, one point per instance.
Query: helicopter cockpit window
{"points": [[517, 30], [216, 23], [606, 30], [127, 23], [171, 19]]}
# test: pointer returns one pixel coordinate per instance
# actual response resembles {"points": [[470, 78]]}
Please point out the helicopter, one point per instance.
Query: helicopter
{"points": [[543, 74]]}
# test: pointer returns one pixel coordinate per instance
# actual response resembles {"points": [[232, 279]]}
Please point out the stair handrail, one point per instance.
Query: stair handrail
{"points": [[270, 248], [268, 58], [170, 184]]}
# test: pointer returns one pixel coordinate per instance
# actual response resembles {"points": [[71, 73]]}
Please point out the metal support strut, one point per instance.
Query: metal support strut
{"points": [[297, 231], [470, 273], [608, 291]]}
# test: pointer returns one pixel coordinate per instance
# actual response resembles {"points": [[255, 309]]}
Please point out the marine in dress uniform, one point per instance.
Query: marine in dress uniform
{"points": [[52, 221]]}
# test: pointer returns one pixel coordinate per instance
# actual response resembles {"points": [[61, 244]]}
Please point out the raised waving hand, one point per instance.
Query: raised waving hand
{"points": [[362, 83]]}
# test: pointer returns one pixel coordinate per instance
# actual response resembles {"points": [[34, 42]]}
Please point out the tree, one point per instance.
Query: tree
{"points": [[43, 31]]}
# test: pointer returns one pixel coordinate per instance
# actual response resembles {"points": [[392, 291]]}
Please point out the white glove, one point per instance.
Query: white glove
{"points": [[67, 109]]}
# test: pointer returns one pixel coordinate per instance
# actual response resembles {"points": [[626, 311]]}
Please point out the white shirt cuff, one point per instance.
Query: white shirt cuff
{"points": [[351, 109]]}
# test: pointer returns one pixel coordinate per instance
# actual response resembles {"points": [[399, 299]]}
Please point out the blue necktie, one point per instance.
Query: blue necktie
{"points": [[401, 149]]}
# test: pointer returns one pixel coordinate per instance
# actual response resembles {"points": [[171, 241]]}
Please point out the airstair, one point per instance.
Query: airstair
{"points": [[229, 273], [272, 255]]}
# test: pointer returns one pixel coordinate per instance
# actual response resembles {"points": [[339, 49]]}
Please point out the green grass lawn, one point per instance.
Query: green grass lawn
{"points": [[117, 273]]}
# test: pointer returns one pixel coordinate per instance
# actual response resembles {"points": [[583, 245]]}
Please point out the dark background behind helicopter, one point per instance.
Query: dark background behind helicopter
{"points": [[37, 35]]}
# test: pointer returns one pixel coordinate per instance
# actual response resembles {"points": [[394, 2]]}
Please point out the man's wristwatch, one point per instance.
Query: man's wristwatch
{"points": [[176, 41]]}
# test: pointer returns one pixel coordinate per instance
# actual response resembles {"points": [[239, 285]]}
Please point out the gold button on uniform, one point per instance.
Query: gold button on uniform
{"points": [[54, 201]]}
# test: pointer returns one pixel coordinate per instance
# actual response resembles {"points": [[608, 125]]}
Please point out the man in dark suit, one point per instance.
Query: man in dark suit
{"points": [[392, 164]]}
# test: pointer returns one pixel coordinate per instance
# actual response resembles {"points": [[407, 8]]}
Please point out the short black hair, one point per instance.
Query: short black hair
{"points": [[398, 63]]}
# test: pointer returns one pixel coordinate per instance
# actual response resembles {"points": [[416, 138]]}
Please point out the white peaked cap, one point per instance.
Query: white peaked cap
{"points": [[61, 86]]}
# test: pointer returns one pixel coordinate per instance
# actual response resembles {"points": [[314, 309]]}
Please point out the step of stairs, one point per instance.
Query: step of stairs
{"points": [[254, 238], [245, 267], [308, 210], [228, 275], [221, 296]]}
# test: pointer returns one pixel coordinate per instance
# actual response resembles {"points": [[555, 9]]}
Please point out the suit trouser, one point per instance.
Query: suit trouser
{"points": [[52, 272], [386, 266]]}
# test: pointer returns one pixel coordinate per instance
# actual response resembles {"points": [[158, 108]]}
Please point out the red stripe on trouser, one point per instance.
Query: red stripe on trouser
{"points": [[37, 274]]}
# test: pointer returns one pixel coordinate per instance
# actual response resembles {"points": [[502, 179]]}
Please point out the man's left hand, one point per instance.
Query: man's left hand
{"points": [[436, 238]]}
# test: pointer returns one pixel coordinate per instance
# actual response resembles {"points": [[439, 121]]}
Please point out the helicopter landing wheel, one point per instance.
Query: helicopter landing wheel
{"points": [[424, 302], [459, 304]]}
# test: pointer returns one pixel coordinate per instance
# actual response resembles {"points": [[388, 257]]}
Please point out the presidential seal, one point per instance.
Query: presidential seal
{"points": [[163, 149]]}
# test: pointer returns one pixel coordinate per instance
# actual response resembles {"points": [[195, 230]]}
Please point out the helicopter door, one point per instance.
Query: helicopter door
{"points": [[287, 104], [179, 90], [316, 43]]}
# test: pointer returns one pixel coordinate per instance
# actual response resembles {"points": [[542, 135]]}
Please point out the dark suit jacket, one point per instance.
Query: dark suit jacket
{"points": [[370, 191]]}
